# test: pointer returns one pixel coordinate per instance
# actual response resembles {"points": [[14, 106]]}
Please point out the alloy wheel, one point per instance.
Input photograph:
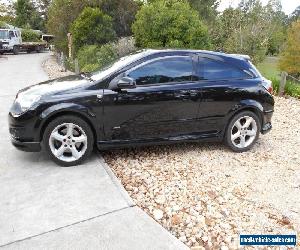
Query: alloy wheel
{"points": [[68, 142], [243, 132]]}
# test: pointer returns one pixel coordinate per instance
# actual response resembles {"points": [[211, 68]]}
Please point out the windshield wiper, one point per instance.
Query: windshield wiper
{"points": [[87, 76]]}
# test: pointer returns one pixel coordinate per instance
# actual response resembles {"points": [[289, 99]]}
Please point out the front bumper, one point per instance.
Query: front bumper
{"points": [[26, 146], [24, 135]]}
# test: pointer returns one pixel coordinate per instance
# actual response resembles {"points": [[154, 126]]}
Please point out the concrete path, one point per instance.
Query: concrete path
{"points": [[43, 206]]}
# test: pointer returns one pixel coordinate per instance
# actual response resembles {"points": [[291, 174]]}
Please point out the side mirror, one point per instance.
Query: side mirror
{"points": [[126, 83]]}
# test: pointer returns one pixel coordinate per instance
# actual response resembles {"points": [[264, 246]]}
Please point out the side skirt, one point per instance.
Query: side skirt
{"points": [[211, 137]]}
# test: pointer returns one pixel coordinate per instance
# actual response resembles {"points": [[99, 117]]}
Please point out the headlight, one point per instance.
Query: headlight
{"points": [[26, 101]]}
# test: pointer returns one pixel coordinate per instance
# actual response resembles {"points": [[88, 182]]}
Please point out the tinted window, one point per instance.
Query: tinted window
{"points": [[215, 70], [177, 69]]}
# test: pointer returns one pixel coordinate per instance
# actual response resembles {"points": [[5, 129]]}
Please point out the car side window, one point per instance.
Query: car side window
{"points": [[215, 70], [11, 34], [167, 70]]}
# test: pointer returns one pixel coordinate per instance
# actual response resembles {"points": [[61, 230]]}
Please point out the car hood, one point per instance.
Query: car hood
{"points": [[57, 86]]}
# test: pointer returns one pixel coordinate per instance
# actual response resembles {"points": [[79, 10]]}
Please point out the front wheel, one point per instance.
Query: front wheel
{"points": [[16, 50], [243, 131], [69, 140]]}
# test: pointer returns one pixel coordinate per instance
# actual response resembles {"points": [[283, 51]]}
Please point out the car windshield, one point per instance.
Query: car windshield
{"points": [[3, 34], [116, 65]]}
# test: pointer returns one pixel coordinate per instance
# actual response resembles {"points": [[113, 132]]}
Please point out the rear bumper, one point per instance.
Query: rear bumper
{"points": [[267, 124], [266, 128], [26, 146]]}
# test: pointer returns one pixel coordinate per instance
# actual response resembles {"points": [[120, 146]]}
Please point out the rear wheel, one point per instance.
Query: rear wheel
{"points": [[243, 131], [69, 140], [16, 50]]}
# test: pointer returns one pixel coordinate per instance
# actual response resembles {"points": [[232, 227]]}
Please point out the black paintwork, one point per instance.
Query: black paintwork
{"points": [[153, 114]]}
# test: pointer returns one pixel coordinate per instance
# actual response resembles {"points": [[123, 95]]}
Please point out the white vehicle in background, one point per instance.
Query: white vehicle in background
{"points": [[11, 41]]}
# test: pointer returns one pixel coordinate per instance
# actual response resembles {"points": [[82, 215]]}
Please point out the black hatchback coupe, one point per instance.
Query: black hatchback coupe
{"points": [[149, 97]]}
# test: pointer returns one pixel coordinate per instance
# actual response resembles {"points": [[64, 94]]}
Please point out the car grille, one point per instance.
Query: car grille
{"points": [[2, 43]]}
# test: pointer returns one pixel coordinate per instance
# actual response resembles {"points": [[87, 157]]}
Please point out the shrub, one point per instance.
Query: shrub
{"points": [[30, 35], [124, 46], [291, 88], [93, 57], [92, 27], [171, 23], [2, 25]]}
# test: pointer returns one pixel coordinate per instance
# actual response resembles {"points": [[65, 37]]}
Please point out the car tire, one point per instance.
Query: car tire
{"points": [[69, 140], [243, 131], [16, 50]]}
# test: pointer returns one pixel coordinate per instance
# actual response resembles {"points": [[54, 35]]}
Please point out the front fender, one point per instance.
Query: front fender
{"points": [[52, 111], [63, 107]]}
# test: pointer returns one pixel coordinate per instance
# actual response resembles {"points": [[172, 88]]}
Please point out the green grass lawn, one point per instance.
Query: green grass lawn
{"points": [[269, 68]]}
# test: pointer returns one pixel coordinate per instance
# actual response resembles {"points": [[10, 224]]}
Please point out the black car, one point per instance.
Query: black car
{"points": [[149, 97]]}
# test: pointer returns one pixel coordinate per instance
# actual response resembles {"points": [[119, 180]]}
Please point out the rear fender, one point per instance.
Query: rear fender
{"points": [[251, 105]]}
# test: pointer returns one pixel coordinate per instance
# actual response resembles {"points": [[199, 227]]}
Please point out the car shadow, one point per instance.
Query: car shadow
{"points": [[173, 148]]}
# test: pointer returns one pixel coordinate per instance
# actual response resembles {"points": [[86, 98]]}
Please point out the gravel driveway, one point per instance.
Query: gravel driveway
{"points": [[206, 195]]}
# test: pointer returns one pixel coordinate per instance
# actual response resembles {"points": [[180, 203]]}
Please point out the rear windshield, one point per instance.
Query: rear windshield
{"points": [[254, 70]]}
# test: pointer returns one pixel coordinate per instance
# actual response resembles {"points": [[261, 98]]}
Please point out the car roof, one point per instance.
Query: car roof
{"points": [[241, 61], [199, 52]]}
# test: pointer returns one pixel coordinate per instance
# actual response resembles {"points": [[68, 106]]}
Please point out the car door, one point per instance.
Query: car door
{"points": [[164, 103]]}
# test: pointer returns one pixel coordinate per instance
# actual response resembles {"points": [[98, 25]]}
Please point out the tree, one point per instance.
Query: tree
{"points": [[61, 15], [207, 9], [92, 27], [170, 23], [27, 15], [6, 13], [251, 29], [43, 6], [290, 58], [295, 15], [123, 13]]}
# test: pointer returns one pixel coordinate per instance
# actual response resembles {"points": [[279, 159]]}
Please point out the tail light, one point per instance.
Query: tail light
{"points": [[267, 84]]}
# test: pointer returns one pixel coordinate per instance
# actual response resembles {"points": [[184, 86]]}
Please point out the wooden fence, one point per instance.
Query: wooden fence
{"points": [[284, 76], [61, 59]]}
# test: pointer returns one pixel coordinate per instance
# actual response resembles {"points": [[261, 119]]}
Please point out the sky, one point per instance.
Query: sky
{"points": [[288, 6]]}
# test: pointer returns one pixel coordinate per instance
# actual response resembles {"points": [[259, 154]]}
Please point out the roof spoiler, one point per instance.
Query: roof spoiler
{"points": [[241, 56]]}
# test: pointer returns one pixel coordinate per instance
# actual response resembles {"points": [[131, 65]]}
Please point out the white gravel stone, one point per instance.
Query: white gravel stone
{"points": [[158, 214]]}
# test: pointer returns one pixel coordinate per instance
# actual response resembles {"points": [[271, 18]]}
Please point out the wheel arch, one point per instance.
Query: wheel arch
{"points": [[51, 117], [248, 105]]}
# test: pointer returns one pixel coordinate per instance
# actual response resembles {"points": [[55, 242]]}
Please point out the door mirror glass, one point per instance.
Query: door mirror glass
{"points": [[126, 83]]}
